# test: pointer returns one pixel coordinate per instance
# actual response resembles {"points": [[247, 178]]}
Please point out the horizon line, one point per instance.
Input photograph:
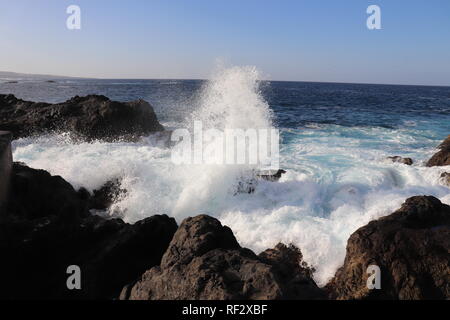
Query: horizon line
{"points": [[204, 79]]}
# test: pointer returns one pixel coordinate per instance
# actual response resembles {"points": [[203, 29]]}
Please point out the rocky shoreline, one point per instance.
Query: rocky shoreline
{"points": [[46, 225], [92, 117]]}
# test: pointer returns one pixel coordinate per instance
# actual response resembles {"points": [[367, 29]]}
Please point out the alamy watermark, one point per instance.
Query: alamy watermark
{"points": [[374, 279], [374, 20], [251, 146], [74, 280], [73, 22]]}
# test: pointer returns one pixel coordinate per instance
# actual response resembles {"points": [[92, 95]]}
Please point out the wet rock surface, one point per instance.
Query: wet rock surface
{"points": [[445, 178], [204, 261], [441, 158], [407, 161], [248, 184], [106, 195], [48, 227], [411, 247], [90, 117]]}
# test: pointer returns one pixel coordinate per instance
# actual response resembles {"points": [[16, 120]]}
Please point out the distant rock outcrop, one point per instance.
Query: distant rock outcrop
{"points": [[407, 161], [411, 247], [204, 261], [271, 175], [249, 182], [441, 158], [90, 117], [48, 227], [445, 178]]}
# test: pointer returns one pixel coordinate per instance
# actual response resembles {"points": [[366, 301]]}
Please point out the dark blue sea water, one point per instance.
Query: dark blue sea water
{"points": [[294, 103], [334, 142]]}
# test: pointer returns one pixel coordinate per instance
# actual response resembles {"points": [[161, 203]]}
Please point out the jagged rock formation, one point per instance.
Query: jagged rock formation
{"points": [[411, 246], [105, 196], [90, 117], [248, 183], [445, 178], [204, 261], [48, 227], [407, 161], [441, 158]]}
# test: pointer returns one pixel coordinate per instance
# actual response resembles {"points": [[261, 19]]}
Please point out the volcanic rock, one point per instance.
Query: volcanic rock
{"points": [[271, 175], [48, 228], [441, 158], [411, 247], [445, 178], [106, 195], [204, 261], [248, 183], [91, 117], [407, 161]]}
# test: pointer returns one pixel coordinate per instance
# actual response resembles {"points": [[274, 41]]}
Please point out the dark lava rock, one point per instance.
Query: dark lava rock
{"points": [[90, 117], [204, 261], [271, 176], [442, 158], [292, 272], [36, 194], [407, 161], [106, 195], [248, 184], [445, 178], [48, 227], [411, 247]]}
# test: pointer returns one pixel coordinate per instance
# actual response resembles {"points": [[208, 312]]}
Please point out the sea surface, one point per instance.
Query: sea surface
{"points": [[334, 142]]}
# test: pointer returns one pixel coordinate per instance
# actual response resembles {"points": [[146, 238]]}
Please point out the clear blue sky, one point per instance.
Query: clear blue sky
{"points": [[309, 40]]}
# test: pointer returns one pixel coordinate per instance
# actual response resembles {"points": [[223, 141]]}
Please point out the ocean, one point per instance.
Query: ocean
{"points": [[334, 142]]}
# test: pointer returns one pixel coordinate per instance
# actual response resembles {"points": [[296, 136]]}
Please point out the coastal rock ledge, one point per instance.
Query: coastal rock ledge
{"points": [[441, 158], [91, 117], [411, 247], [47, 227]]}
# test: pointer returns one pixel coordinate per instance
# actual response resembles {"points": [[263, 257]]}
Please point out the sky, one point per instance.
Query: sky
{"points": [[295, 40]]}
